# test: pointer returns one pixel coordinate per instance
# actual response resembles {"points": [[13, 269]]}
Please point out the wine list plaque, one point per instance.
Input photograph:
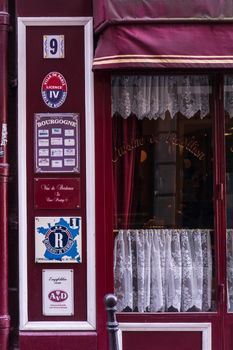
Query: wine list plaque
{"points": [[54, 193]]}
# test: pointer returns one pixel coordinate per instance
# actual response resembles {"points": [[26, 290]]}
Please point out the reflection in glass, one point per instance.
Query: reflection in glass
{"points": [[163, 190], [228, 101]]}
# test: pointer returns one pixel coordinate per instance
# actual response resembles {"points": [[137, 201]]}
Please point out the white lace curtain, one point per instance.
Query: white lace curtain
{"points": [[230, 269], [228, 94], [163, 270], [153, 96]]}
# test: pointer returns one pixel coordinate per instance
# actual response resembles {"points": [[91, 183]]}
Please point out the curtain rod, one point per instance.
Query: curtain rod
{"points": [[163, 228]]}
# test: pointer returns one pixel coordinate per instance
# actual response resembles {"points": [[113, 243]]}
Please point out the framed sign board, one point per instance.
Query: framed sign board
{"points": [[57, 143], [58, 239], [56, 171], [53, 46], [58, 294], [57, 193]]}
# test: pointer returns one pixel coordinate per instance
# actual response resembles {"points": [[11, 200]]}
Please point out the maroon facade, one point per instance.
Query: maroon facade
{"points": [[4, 176], [73, 8], [130, 35], [73, 69], [75, 79]]}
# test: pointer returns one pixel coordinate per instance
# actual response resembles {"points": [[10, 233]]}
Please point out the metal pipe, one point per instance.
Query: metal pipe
{"points": [[4, 176]]}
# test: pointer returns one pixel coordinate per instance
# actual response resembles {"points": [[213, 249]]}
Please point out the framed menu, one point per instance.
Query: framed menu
{"points": [[57, 143]]}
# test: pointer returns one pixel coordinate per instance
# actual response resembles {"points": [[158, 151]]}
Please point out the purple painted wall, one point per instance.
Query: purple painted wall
{"points": [[54, 8]]}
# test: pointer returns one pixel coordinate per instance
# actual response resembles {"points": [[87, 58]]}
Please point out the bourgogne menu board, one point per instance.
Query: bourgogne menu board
{"points": [[57, 143]]}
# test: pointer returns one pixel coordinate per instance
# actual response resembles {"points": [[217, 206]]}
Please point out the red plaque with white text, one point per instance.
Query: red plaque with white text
{"points": [[54, 193]]}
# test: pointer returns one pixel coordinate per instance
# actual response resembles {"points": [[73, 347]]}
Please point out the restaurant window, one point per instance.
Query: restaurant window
{"points": [[228, 106], [162, 157]]}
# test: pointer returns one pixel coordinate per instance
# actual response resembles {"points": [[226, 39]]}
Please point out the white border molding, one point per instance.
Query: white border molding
{"points": [[205, 328], [87, 23]]}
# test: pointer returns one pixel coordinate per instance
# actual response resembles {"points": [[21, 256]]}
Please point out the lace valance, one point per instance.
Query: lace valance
{"points": [[154, 96]]}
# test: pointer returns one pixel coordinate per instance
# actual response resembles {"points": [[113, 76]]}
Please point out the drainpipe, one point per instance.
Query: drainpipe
{"points": [[4, 175]]}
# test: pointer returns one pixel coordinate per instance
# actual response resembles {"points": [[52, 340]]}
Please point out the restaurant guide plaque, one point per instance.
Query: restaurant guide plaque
{"points": [[57, 143], [58, 239], [57, 291], [57, 193]]}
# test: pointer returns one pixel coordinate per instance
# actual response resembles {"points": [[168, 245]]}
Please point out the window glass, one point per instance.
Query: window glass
{"points": [[228, 102], [163, 193]]}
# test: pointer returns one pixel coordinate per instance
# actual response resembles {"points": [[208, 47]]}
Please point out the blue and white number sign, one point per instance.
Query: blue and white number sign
{"points": [[53, 46]]}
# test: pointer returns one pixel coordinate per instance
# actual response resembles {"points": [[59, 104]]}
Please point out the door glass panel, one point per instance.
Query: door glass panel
{"points": [[162, 160], [228, 102]]}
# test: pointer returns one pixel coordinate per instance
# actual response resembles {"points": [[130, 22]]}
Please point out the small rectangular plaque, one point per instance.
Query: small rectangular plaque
{"points": [[53, 46], [58, 294], [54, 193]]}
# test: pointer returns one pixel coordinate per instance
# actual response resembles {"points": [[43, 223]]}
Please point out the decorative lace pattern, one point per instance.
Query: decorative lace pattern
{"points": [[228, 94], [230, 269], [153, 96], [163, 270]]}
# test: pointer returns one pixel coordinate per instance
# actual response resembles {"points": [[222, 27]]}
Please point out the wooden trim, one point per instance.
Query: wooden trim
{"points": [[205, 328], [90, 324]]}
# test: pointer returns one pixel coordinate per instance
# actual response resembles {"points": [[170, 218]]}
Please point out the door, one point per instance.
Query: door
{"points": [[172, 165]]}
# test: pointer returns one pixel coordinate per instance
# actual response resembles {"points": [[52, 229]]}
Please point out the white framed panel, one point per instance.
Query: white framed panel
{"points": [[25, 324], [204, 328]]}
